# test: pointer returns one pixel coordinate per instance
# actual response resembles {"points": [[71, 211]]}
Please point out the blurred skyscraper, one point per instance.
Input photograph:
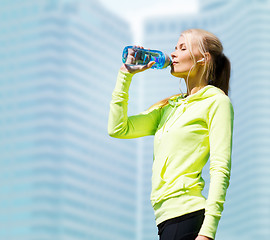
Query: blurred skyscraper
{"points": [[61, 176], [244, 29]]}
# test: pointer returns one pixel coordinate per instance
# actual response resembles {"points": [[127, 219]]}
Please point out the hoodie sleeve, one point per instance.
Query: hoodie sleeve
{"points": [[220, 138], [122, 126]]}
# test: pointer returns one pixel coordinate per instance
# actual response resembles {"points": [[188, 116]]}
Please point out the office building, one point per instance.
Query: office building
{"points": [[61, 175]]}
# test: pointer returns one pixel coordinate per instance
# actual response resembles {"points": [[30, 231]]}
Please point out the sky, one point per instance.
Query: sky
{"points": [[136, 11]]}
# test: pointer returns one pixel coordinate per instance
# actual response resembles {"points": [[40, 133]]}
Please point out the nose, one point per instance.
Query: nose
{"points": [[173, 55]]}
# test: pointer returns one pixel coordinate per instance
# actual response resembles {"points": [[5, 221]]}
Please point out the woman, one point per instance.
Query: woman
{"points": [[188, 130]]}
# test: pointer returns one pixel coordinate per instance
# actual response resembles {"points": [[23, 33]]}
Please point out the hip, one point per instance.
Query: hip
{"points": [[185, 227]]}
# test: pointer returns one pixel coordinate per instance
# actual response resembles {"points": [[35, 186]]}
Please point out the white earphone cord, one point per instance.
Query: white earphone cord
{"points": [[201, 60], [188, 76]]}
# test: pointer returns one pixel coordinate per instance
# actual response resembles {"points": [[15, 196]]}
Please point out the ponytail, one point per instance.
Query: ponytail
{"points": [[220, 76]]}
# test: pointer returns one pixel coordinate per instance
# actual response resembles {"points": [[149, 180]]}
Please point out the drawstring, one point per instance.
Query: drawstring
{"points": [[184, 99], [182, 94], [163, 127], [167, 119], [176, 118]]}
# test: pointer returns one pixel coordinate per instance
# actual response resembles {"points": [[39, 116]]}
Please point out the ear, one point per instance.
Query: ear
{"points": [[207, 57]]}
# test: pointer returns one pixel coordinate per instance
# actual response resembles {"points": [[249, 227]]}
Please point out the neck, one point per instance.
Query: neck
{"points": [[195, 81], [196, 89], [194, 86]]}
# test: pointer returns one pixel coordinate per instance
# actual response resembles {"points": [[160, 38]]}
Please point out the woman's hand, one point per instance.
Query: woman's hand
{"points": [[131, 59], [136, 68], [203, 238]]}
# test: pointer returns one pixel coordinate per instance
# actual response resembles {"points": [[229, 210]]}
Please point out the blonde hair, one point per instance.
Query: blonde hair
{"points": [[217, 69]]}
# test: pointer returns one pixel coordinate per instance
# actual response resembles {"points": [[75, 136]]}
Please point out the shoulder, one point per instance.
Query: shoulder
{"points": [[219, 103], [222, 99], [164, 103], [219, 97]]}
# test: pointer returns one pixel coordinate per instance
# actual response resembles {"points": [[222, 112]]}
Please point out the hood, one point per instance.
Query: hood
{"points": [[206, 92]]}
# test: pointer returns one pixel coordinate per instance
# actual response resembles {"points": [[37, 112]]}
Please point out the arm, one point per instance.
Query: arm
{"points": [[220, 139], [122, 126]]}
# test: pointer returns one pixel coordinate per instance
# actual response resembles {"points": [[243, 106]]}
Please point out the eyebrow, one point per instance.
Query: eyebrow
{"points": [[180, 45]]}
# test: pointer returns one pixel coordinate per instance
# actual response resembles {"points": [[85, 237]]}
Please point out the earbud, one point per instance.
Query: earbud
{"points": [[201, 60]]}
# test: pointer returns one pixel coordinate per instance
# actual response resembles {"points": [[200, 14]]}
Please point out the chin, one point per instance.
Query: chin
{"points": [[176, 74]]}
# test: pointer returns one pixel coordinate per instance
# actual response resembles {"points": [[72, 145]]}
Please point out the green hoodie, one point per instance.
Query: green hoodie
{"points": [[187, 131]]}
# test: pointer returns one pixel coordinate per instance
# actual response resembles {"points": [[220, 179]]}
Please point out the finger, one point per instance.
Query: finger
{"points": [[150, 64], [130, 59], [147, 66], [131, 51]]}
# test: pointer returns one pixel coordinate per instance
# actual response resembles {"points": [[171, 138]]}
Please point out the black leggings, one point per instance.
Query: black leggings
{"points": [[185, 227]]}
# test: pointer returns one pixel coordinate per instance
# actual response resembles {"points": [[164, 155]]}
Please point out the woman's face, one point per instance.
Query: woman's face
{"points": [[182, 61]]}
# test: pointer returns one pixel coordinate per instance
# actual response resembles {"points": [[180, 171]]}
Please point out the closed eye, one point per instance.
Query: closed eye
{"points": [[182, 47]]}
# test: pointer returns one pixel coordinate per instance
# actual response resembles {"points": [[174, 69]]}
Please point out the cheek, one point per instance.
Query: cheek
{"points": [[186, 59], [181, 69], [183, 66]]}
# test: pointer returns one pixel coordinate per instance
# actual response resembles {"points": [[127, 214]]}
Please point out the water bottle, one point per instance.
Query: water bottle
{"points": [[137, 56]]}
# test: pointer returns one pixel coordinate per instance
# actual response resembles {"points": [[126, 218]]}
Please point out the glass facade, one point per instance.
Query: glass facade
{"points": [[61, 175]]}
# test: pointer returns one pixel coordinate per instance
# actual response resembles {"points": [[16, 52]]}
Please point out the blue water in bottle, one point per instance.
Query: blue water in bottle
{"points": [[137, 56]]}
